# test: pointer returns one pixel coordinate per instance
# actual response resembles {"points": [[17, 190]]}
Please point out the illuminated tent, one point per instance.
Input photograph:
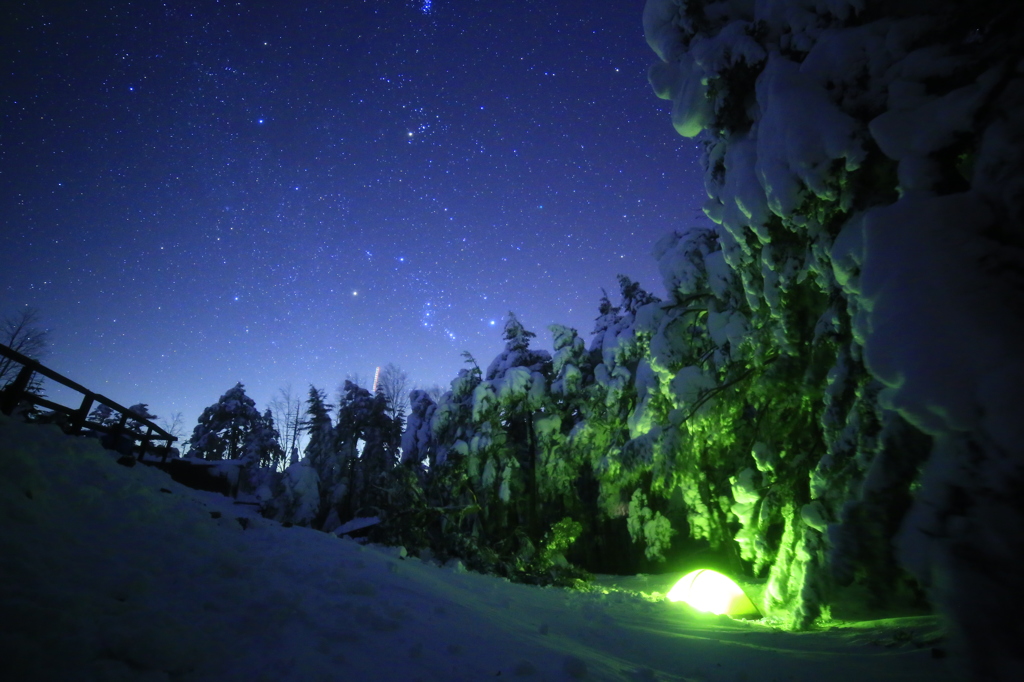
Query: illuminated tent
{"points": [[707, 590]]}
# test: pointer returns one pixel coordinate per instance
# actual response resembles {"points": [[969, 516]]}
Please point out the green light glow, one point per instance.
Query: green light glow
{"points": [[707, 590]]}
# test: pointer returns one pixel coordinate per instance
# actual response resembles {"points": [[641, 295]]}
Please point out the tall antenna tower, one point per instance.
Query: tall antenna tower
{"points": [[376, 379]]}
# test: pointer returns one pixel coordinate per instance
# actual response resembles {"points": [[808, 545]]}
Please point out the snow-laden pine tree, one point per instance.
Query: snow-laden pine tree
{"points": [[139, 412], [367, 440], [295, 497], [264, 448], [448, 485], [761, 409], [610, 407], [232, 428], [452, 420], [321, 454], [504, 449], [572, 374], [858, 301], [491, 443], [320, 430], [418, 438]]}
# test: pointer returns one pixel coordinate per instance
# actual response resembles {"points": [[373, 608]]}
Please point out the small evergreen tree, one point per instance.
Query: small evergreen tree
{"points": [[321, 455], [320, 447], [104, 415]]}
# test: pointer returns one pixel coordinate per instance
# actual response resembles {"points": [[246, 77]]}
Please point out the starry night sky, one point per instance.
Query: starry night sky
{"points": [[199, 193]]}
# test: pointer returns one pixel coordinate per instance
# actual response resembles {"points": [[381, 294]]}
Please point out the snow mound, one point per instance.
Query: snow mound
{"points": [[111, 573]]}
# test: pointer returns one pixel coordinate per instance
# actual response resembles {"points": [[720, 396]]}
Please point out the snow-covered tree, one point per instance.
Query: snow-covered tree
{"points": [[296, 496], [367, 438], [418, 438], [756, 337], [572, 374], [320, 451], [264, 448], [321, 455], [452, 420], [601, 438], [860, 294], [570, 366], [504, 451], [825, 397], [231, 428]]}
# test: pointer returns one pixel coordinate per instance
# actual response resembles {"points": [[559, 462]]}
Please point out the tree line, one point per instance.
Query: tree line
{"points": [[691, 427]]}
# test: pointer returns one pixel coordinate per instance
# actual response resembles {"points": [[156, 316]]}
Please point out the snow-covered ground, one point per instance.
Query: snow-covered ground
{"points": [[116, 573]]}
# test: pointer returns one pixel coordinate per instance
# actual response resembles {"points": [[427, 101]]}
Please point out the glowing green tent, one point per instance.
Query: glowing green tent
{"points": [[707, 590]]}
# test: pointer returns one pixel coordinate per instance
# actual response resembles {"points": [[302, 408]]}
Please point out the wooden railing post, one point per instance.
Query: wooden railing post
{"points": [[79, 416], [119, 430], [145, 442], [11, 396]]}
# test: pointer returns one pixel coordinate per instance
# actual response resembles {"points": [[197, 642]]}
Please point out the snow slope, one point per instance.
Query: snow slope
{"points": [[115, 573]]}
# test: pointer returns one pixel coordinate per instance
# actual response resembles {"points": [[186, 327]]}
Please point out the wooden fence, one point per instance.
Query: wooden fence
{"points": [[76, 419]]}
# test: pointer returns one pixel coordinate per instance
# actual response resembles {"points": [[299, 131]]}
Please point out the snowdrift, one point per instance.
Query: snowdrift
{"points": [[111, 573]]}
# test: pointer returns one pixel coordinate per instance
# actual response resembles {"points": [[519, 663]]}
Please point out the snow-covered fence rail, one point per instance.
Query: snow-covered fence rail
{"points": [[76, 418]]}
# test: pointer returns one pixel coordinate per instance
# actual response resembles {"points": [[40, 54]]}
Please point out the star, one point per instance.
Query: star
{"points": [[328, 194]]}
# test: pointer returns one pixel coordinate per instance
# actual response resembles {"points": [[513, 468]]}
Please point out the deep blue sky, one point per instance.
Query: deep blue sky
{"points": [[199, 193]]}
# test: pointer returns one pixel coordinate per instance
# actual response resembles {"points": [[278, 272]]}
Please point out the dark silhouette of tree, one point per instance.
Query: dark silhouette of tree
{"points": [[394, 384], [288, 420], [232, 428], [174, 425], [21, 331]]}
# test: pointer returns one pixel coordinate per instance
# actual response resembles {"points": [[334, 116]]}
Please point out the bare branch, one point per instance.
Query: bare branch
{"points": [[394, 384], [22, 331]]}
